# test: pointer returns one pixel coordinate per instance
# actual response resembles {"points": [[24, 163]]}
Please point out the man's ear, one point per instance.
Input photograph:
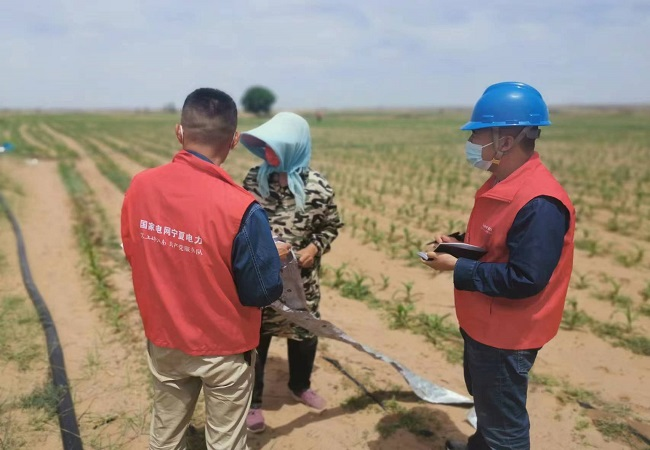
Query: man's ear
{"points": [[179, 133], [235, 140], [507, 142]]}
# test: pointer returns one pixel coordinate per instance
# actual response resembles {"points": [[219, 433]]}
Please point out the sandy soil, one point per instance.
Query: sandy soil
{"points": [[110, 382]]}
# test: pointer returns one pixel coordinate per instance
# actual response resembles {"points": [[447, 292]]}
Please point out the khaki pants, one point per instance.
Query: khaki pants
{"points": [[227, 383]]}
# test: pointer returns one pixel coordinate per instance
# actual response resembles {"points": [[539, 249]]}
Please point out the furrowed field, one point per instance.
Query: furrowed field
{"points": [[399, 179]]}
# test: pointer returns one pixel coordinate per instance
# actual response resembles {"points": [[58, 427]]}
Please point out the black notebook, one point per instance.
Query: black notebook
{"points": [[458, 249]]}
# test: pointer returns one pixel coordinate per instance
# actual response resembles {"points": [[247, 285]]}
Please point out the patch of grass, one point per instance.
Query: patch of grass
{"points": [[20, 333], [385, 281], [356, 288], [22, 344], [109, 168], [608, 330], [96, 241], [620, 336], [454, 352], [614, 224], [572, 318], [401, 315], [133, 153], [637, 344], [10, 435], [435, 327], [137, 423], [9, 184], [101, 442], [570, 394], [630, 315], [10, 438], [339, 275], [126, 427], [631, 259], [614, 295], [543, 380], [610, 419], [614, 429], [406, 295], [645, 292], [441, 333], [45, 398], [581, 281], [644, 310], [592, 246], [357, 403], [93, 362], [581, 424], [419, 422]]}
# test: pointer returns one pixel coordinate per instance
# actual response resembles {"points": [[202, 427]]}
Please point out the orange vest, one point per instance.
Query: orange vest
{"points": [[514, 324], [178, 225]]}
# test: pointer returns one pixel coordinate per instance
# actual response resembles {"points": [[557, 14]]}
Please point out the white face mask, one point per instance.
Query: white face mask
{"points": [[474, 155]]}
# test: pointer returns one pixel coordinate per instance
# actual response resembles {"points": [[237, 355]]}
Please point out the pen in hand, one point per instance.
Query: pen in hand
{"points": [[456, 235]]}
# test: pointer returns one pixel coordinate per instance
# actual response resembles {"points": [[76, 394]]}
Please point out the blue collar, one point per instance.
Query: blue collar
{"points": [[199, 155]]}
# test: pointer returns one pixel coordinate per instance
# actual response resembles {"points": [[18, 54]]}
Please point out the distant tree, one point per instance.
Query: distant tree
{"points": [[258, 100], [170, 108]]}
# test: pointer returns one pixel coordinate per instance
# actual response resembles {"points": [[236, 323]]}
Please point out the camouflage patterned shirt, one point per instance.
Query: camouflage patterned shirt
{"points": [[317, 224]]}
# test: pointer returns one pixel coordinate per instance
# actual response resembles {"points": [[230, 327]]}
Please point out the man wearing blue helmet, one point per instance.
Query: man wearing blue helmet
{"points": [[509, 303]]}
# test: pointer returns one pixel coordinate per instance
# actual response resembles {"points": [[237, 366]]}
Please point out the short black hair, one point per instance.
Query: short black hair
{"points": [[209, 117]]}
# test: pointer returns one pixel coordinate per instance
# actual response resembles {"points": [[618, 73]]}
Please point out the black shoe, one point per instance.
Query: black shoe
{"points": [[455, 445]]}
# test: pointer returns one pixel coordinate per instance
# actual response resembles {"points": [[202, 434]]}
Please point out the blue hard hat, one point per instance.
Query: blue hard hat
{"points": [[509, 104]]}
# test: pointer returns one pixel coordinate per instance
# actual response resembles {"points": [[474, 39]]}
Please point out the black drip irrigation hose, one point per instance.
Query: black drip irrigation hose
{"points": [[65, 407], [421, 432], [337, 364]]}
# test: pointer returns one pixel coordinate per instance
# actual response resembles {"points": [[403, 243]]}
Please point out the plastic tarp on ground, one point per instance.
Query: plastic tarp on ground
{"points": [[293, 306]]}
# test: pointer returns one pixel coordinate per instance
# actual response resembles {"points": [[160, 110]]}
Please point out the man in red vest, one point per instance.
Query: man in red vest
{"points": [[509, 303], [203, 263]]}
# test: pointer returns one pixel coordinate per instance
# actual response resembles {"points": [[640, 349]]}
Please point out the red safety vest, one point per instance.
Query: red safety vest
{"points": [[514, 324], [178, 225]]}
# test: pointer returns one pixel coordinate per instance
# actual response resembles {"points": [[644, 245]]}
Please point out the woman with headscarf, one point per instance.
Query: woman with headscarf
{"points": [[300, 204]]}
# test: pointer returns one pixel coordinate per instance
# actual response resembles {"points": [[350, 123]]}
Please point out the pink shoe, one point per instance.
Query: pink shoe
{"points": [[255, 421], [311, 399]]}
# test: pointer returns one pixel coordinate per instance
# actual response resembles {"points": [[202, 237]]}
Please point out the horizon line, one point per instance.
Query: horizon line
{"points": [[386, 109]]}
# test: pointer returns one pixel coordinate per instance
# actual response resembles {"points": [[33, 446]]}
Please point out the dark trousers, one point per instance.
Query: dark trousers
{"points": [[301, 355], [498, 380]]}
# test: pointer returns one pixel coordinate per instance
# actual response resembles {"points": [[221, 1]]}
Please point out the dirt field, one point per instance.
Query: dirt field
{"points": [[589, 385]]}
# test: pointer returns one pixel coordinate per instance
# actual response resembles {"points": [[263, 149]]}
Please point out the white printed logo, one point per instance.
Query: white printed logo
{"points": [[158, 232], [168, 231]]}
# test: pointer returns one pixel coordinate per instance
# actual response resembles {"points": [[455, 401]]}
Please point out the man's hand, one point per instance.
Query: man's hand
{"points": [[441, 261], [441, 238], [306, 256]]}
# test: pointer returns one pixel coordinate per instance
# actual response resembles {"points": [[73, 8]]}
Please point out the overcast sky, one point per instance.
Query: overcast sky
{"points": [[321, 53]]}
